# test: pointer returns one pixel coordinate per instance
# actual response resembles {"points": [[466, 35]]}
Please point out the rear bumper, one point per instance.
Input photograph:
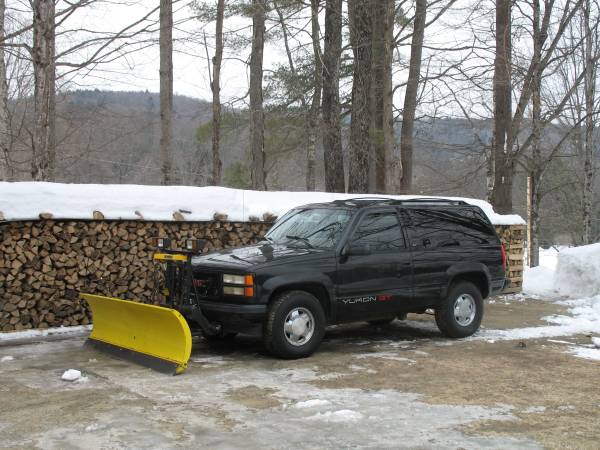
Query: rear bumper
{"points": [[497, 286]]}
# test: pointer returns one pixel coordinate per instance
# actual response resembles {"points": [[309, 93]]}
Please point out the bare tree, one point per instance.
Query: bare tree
{"points": [[410, 97], [331, 129], [313, 120], [4, 117], [360, 14], [166, 89], [589, 95], [257, 115], [382, 132], [42, 52], [215, 87]]}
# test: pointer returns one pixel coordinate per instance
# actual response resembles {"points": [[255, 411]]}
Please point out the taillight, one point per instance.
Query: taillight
{"points": [[503, 252]]}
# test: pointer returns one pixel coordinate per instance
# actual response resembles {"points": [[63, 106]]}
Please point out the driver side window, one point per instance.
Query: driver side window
{"points": [[380, 232]]}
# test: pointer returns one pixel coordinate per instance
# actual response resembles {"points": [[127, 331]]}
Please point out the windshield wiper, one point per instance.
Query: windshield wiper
{"points": [[299, 238]]}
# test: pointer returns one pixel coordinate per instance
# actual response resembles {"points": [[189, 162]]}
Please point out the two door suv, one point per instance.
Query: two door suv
{"points": [[353, 260]]}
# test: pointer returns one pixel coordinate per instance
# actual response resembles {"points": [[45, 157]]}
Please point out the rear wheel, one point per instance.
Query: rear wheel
{"points": [[459, 314], [295, 325]]}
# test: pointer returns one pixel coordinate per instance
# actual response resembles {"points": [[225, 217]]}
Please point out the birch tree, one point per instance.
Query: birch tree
{"points": [[5, 164]]}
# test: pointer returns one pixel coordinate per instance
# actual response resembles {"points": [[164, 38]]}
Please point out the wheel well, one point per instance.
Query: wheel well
{"points": [[477, 278], [316, 289]]}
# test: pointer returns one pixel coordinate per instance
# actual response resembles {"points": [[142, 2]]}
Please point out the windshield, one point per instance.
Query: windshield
{"points": [[313, 228]]}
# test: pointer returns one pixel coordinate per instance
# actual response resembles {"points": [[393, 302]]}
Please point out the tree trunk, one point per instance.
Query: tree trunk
{"points": [[502, 146], [44, 69], [332, 134], [381, 91], [257, 118], [166, 89], [590, 92], [410, 98], [313, 122], [536, 166], [360, 142], [216, 95], [5, 164]]}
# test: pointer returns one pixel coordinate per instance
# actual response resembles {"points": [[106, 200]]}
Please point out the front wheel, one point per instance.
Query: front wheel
{"points": [[459, 314], [295, 325]]}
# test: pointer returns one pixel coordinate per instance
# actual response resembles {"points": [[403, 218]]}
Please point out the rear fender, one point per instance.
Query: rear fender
{"points": [[465, 269]]}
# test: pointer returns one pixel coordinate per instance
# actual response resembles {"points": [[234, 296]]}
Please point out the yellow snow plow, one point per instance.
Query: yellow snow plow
{"points": [[150, 335], [154, 336]]}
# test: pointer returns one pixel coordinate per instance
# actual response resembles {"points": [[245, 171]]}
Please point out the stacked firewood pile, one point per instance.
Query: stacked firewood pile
{"points": [[513, 237], [45, 264]]}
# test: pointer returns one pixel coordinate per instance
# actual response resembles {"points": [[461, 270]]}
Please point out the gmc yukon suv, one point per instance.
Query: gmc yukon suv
{"points": [[364, 259]]}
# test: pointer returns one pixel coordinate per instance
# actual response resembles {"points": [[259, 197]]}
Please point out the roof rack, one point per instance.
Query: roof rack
{"points": [[394, 201]]}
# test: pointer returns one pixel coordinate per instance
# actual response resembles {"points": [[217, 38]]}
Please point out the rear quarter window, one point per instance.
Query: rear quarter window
{"points": [[445, 227]]}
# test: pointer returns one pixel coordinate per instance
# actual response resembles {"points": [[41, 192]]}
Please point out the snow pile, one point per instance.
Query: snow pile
{"points": [[578, 271], [71, 375], [25, 201]]}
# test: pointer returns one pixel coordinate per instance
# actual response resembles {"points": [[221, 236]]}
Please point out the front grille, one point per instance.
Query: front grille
{"points": [[207, 285]]}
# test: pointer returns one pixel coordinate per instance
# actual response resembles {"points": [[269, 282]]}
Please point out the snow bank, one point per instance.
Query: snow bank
{"points": [[578, 271], [25, 201], [540, 280], [48, 332]]}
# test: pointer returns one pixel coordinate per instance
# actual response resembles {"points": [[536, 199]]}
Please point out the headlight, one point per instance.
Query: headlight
{"points": [[243, 285], [234, 279]]}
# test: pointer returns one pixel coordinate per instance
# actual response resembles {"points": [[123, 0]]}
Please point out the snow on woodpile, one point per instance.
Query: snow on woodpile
{"points": [[27, 200], [578, 271]]}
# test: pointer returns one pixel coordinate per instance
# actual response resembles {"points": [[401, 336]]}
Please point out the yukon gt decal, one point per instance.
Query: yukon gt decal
{"points": [[365, 299]]}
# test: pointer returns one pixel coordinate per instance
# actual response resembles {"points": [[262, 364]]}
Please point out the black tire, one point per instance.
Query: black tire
{"points": [[445, 317], [274, 335], [381, 322]]}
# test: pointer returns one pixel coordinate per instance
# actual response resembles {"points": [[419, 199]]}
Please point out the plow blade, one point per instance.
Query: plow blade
{"points": [[153, 336]]}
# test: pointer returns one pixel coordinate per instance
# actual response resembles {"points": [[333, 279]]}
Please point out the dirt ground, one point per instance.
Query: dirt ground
{"points": [[400, 386]]}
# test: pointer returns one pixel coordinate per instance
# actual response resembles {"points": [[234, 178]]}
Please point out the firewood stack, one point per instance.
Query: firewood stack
{"points": [[45, 264], [512, 236]]}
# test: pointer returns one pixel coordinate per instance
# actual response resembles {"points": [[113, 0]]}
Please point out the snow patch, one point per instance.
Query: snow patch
{"points": [[6, 358], [312, 403], [586, 353], [79, 201], [596, 341], [342, 415]]}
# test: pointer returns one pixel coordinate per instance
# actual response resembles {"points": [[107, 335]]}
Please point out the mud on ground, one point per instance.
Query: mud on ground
{"points": [[402, 385]]}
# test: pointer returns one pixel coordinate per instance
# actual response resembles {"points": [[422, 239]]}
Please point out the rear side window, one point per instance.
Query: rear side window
{"points": [[443, 228], [380, 231]]}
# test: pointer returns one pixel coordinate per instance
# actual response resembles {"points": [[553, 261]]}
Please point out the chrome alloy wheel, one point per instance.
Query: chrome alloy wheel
{"points": [[464, 310], [299, 326]]}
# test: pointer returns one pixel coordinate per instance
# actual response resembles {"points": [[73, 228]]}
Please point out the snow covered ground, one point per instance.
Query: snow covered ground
{"points": [[79, 201], [569, 276]]}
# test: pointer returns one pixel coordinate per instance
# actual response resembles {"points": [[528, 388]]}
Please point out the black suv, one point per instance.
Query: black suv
{"points": [[364, 259]]}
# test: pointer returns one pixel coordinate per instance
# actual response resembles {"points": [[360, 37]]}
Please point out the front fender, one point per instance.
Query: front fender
{"points": [[295, 281]]}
